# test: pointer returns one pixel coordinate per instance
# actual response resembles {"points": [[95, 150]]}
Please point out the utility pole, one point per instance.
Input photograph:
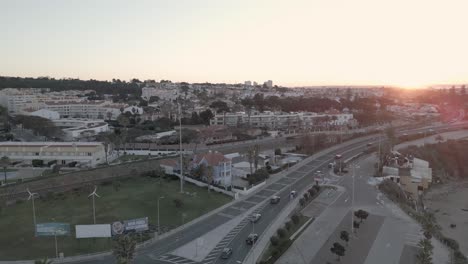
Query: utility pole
{"points": [[180, 150], [159, 226], [352, 203]]}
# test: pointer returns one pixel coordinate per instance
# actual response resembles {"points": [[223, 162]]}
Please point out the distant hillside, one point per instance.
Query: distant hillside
{"points": [[101, 87], [447, 158]]}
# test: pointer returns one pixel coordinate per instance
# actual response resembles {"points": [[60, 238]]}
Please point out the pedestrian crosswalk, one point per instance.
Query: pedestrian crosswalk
{"points": [[169, 258], [215, 253]]}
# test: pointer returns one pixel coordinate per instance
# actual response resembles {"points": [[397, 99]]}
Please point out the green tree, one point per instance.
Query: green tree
{"points": [[338, 250], [40, 126], [124, 249], [4, 162], [344, 235], [425, 251], [361, 214], [206, 116]]}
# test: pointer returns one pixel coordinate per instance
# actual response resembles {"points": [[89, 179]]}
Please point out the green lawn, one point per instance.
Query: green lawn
{"points": [[136, 198]]}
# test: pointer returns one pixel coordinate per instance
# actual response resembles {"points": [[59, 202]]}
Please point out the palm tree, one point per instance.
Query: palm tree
{"points": [[124, 249], [4, 162]]}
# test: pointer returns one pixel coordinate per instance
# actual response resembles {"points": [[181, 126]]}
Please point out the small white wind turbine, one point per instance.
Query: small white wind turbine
{"points": [[94, 194], [31, 197]]}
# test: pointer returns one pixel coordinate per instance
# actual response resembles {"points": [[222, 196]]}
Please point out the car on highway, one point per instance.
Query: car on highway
{"points": [[227, 252], [338, 156], [275, 199], [369, 144], [255, 217], [251, 239]]}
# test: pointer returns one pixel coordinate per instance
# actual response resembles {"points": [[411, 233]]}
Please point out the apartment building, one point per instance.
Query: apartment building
{"points": [[272, 120], [166, 94], [86, 153], [86, 109]]}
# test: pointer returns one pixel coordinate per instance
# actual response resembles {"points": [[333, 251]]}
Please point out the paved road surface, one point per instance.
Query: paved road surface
{"points": [[300, 177]]}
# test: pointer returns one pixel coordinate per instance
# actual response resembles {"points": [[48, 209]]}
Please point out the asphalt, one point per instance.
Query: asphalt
{"points": [[299, 178]]}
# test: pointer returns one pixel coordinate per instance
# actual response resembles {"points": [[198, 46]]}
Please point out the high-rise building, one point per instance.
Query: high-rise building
{"points": [[269, 83], [248, 83]]}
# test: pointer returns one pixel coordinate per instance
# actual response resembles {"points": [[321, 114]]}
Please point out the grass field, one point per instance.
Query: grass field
{"points": [[136, 197]]}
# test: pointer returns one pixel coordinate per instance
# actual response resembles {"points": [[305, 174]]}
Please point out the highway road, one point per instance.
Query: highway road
{"points": [[299, 178]]}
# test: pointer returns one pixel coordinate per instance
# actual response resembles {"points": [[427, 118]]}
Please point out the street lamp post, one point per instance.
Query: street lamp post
{"points": [[159, 226], [180, 150]]}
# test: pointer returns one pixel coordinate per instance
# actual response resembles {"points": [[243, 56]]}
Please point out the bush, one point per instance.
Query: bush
{"points": [[317, 188], [274, 240], [275, 253], [37, 163], [178, 203], [278, 151], [295, 218], [302, 201], [281, 232], [306, 196], [288, 225], [451, 243], [311, 192]]}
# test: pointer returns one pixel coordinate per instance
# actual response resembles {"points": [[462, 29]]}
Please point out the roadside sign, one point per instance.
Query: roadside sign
{"points": [[136, 225], [52, 229], [90, 231]]}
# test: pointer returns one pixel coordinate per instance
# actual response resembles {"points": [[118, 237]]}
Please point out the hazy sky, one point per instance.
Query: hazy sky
{"points": [[292, 42]]}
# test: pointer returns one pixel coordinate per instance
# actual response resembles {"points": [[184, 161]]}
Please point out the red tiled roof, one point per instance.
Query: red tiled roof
{"points": [[213, 158]]}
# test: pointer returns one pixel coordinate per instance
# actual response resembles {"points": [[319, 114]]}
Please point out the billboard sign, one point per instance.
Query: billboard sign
{"points": [[133, 225], [88, 231], [52, 229]]}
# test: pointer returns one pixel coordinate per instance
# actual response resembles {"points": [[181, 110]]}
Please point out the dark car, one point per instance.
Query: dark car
{"points": [[251, 239], [275, 199], [227, 252]]}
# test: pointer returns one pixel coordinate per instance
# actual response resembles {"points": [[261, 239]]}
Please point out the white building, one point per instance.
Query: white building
{"points": [[133, 110], [86, 153], [272, 120], [248, 83], [86, 109], [79, 128], [44, 113], [269, 83], [166, 94]]}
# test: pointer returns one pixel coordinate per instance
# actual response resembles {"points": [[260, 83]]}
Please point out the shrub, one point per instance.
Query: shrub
{"points": [[178, 203], [302, 201], [37, 163], [275, 253], [295, 218], [274, 240], [288, 225], [311, 192], [306, 196], [278, 151], [451, 243], [281, 232], [317, 188]]}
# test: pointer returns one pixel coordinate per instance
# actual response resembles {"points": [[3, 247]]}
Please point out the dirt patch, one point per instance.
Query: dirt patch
{"points": [[449, 202]]}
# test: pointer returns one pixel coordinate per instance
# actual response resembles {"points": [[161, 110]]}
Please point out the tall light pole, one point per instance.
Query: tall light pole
{"points": [[55, 239], [352, 204], [159, 226], [31, 197], [94, 194], [180, 150]]}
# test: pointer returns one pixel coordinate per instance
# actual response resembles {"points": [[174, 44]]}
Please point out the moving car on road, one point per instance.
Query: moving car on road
{"points": [[275, 199], [251, 239], [227, 252], [255, 217]]}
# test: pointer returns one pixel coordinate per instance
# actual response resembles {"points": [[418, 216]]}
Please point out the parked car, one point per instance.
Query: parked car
{"points": [[293, 194], [255, 217], [275, 199], [251, 239], [227, 252]]}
